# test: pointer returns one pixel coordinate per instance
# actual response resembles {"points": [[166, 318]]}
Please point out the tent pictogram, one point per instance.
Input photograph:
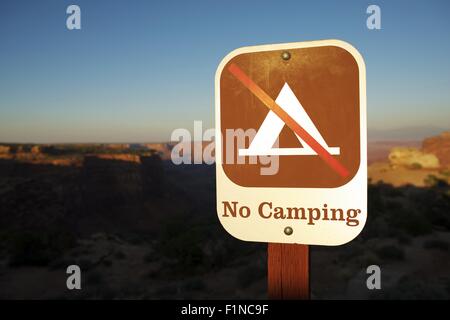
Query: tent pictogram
{"points": [[267, 135], [295, 126]]}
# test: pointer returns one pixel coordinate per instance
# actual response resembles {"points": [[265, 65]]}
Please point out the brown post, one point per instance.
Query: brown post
{"points": [[288, 271]]}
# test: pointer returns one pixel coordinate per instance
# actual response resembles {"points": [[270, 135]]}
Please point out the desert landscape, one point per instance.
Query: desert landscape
{"points": [[141, 227]]}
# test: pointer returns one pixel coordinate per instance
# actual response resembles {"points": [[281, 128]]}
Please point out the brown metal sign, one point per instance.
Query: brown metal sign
{"points": [[291, 160]]}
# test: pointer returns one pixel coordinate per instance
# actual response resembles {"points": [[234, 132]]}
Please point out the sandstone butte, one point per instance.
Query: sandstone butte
{"points": [[5, 149], [119, 156], [413, 157], [440, 146], [414, 166]]}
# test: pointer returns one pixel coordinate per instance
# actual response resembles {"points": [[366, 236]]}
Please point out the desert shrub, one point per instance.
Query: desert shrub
{"points": [[391, 191], [409, 288], [393, 205], [149, 257], [352, 250], [194, 285], [167, 290], [375, 227], [84, 264], [415, 166], [119, 255], [445, 172], [94, 278], [410, 221], [439, 218], [182, 244], [29, 249], [186, 249], [390, 252], [436, 244], [417, 225], [39, 248], [434, 204], [250, 275], [107, 263], [219, 256], [433, 181], [375, 202], [403, 238], [107, 293], [3, 241], [437, 210], [369, 258], [136, 240]]}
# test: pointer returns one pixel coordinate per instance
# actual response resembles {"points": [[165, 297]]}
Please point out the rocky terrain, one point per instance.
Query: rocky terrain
{"points": [[413, 158], [378, 151], [137, 225], [141, 227]]}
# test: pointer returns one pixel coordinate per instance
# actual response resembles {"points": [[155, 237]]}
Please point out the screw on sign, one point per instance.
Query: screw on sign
{"points": [[307, 103]]}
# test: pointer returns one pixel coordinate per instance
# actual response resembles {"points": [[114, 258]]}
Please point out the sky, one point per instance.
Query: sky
{"points": [[137, 70]]}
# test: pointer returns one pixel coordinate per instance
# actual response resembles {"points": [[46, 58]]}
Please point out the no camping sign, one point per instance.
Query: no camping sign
{"points": [[291, 164]]}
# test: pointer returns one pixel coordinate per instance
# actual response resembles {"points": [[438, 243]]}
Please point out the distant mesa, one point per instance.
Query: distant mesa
{"points": [[434, 154], [72, 154], [36, 149], [164, 149], [116, 156], [415, 165], [413, 158], [440, 146], [417, 133], [5, 149], [117, 146]]}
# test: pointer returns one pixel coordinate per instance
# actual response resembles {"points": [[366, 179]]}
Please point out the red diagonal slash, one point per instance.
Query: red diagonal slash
{"points": [[290, 122]]}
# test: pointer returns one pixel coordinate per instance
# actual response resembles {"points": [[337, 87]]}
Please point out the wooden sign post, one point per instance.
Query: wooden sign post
{"points": [[288, 271], [291, 152]]}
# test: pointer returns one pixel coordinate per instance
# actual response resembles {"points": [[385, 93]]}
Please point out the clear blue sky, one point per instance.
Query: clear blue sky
{"points": [[139, 69]]}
